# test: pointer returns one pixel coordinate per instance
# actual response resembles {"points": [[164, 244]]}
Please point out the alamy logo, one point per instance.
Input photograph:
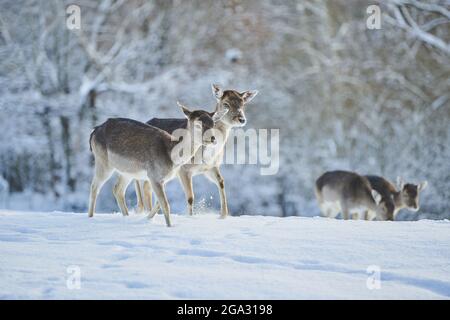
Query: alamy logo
{"points": [[373, 281], [73, 281], [374, 19], [250, 147], [73, 20]]}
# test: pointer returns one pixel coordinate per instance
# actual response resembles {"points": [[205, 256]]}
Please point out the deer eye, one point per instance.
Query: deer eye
{"points": [[226, 105]]}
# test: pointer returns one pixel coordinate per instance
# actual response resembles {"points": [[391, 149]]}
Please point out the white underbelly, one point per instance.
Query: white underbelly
{"points": [[139, 175], [142, 175], [333, 208]]}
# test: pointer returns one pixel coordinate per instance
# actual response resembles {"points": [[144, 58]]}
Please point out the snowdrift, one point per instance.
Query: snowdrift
{"points": [[68, 256]]}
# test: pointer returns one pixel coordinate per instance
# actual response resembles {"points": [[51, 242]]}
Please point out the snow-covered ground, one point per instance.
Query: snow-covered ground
{"points": [[203, 257]]}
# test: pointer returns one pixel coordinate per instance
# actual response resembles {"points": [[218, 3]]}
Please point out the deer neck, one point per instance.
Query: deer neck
{"points": [[398, 201], [225, 129], [187, 146]]}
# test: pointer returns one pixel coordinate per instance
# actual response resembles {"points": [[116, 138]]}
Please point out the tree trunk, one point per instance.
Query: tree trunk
{"points": [[65, 137], [52, 162]]}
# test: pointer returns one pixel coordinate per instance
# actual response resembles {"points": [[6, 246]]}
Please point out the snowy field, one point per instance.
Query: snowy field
{"points": [[203, 257]]}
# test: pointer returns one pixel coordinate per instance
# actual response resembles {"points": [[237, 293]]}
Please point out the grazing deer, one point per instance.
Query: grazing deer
{"points": [[139, 151], [406, 197], [348, 193], [230, 100]]}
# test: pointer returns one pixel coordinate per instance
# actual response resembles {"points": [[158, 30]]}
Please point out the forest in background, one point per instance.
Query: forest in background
{"points": [[343, 96]]}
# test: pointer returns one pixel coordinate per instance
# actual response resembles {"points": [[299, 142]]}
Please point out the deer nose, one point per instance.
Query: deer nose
{"points": [[241, 119], [213, 139]]}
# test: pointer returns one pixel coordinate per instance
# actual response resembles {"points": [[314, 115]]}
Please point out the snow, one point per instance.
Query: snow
{"points": [[204, 257]]}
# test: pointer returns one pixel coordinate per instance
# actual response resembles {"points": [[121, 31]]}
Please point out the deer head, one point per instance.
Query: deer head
{"points": [[409, 193], [234, 102], [201, 122]]}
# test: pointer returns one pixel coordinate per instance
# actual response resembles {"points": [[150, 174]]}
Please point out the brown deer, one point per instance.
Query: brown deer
{"points": [[407, 195], [349, 193], [230, 100], [140, 151]]}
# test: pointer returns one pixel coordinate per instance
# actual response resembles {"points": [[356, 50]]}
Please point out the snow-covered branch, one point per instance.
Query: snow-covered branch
{"points": [[404, 20]]}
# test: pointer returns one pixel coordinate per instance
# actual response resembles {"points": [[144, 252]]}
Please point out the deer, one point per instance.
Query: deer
{"points": [[226, 100], [349, 193], [407, 195], [136, 150]]}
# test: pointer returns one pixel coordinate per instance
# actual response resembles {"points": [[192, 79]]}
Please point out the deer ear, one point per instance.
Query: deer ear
{"points": [[249, 95], [400, 183], [185, 110], [217, 91], [422, 185], [218, 115], [376, 196]]}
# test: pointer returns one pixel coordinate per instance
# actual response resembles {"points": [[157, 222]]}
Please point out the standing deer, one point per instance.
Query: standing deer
{"points": [[230, 100], [406, 197], [139, 151], [348, 193]]}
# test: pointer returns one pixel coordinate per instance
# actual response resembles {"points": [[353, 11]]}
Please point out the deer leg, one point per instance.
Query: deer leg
{"points": [[322, 211], [215, 176], [331, 210], [140, 202], [162, 200], [119, 193], [345, 212], [154, 210], [325, 211], [390, 216], [102, 173], [370, 215], [186, 182], [148, 195]]}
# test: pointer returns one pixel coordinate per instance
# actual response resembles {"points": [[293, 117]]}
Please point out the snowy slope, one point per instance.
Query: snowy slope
{"points": [[248, 257]]}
